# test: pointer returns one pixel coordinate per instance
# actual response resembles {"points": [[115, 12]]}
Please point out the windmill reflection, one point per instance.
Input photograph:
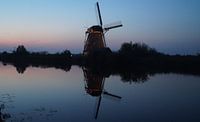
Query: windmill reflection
{"points": [[94, 86]]}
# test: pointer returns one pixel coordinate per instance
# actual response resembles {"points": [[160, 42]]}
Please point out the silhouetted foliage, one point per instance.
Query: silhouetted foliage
{"points": [[21, 50], [137, 49], [66, 52], [132, 58], [21, 59]]}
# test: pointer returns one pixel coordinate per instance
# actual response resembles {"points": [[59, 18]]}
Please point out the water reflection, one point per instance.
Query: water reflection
{"points": [[134, 76], [21, 67], [137, 74], [38, 113], [61, 99], [95, 87]]}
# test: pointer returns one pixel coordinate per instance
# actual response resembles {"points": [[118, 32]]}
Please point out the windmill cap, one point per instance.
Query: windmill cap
{"points": [[97, 28]]}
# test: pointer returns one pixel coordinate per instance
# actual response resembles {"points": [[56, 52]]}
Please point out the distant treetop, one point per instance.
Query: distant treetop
{"points": [[21, 50], [137, 49]]}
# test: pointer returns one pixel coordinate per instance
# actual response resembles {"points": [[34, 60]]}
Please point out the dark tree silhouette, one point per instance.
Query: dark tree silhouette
{"points": [[21, 50], [129, 58], [137, 49]]}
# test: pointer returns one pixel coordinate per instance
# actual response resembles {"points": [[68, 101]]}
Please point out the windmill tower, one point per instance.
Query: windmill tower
{"points": [[95, 38]]}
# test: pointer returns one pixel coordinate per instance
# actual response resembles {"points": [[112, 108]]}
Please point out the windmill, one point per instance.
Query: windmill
{"points": [[95, 38]]}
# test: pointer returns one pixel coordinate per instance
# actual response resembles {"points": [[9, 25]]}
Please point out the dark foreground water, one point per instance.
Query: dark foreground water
{"points": [[48, 94]]}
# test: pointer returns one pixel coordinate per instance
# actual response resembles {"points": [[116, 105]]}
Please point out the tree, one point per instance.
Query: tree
{"points": [[126, 48], [137, 49], [21, 50], [66, 53]]}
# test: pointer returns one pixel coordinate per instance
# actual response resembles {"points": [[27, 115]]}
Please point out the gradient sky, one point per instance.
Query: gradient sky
{"points": [[170, 26]]}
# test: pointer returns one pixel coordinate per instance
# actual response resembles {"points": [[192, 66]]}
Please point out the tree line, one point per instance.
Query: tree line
{"points": [[129, 57]]}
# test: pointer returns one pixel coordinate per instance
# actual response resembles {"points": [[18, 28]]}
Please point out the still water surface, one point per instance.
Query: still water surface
{"points": [[49, 94]]}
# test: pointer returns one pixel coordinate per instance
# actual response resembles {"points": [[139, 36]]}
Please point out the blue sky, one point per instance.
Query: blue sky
{"points": [[170, 26]]}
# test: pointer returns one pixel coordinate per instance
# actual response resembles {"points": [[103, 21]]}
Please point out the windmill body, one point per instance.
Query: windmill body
{"points": [[95, 35], [94, 39]]}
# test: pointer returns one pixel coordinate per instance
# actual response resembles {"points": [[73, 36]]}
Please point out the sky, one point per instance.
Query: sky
{"points": [[170, 26]]}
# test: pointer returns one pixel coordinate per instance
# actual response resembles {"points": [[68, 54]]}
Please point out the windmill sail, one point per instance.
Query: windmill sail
{"points": [[99, 15], [113, 25]]}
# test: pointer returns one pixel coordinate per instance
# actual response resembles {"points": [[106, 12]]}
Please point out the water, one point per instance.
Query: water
{"points": [[49, 94]]}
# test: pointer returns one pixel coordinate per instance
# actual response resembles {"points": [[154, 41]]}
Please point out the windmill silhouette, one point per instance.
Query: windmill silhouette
{"points": [[95, 38]]}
